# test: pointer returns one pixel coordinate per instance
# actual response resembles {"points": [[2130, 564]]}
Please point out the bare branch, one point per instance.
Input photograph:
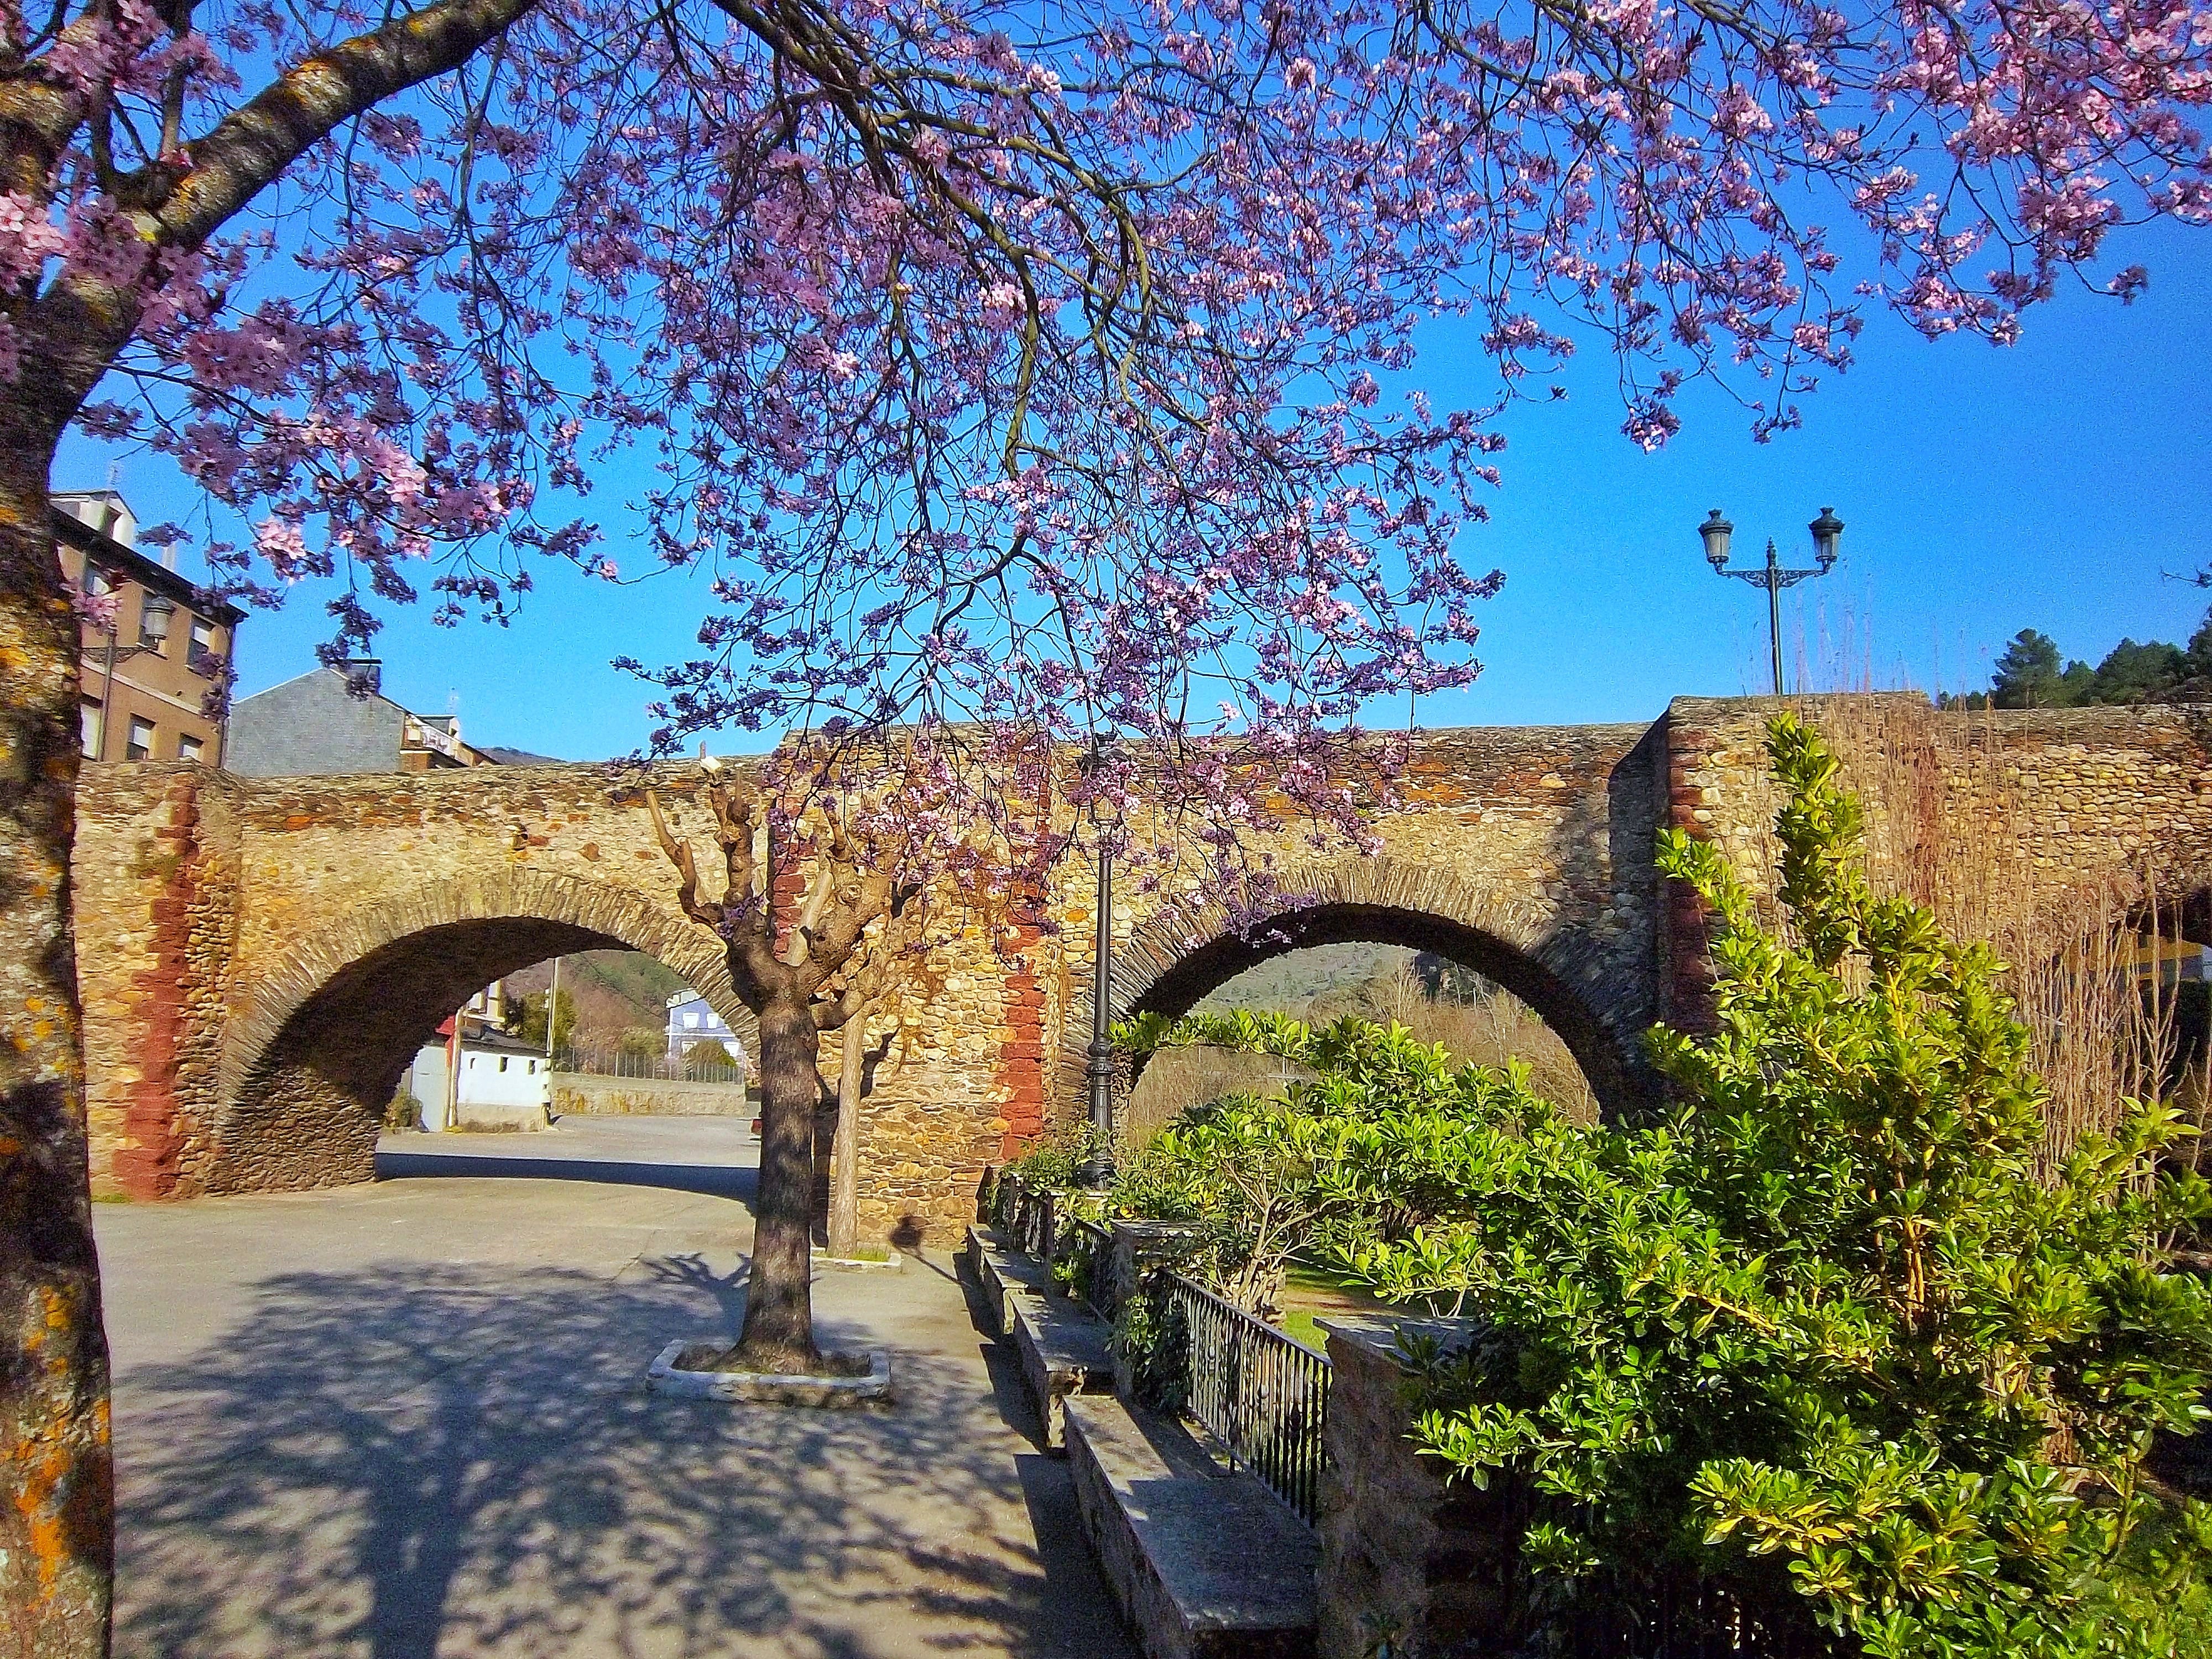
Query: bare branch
{"points": [[679, 854]]}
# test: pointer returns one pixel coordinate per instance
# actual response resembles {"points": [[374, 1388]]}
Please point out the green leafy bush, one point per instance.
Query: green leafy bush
{"points": [[1055, 1160], [709, 1051], [1154, 1343], [1816, 1365], [1262, 1180]]}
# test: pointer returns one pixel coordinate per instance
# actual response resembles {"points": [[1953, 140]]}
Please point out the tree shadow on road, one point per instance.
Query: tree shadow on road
{"points": [[460, 1462]]}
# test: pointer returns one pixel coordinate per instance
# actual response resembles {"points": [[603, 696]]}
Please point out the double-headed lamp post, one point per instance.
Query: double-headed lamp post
{"points": [[1098, 1163], [1827, 532]]}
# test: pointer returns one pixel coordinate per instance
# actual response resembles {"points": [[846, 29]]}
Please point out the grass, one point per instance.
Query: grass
{"points": [[1310, 1294]]}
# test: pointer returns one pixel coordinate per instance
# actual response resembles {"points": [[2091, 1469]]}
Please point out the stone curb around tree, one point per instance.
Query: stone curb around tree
{"points": [[668, 1376], [859, 1264]]}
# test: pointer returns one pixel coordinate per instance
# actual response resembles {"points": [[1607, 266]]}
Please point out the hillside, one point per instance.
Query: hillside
{"points": [[613, 991]]}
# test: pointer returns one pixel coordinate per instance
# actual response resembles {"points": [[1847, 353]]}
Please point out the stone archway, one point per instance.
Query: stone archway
{"points": [[312, 1058], [1169, 963]]}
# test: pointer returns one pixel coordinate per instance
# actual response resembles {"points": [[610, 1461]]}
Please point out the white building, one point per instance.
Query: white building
{"points": [[501, 1081], [692, 1019]]}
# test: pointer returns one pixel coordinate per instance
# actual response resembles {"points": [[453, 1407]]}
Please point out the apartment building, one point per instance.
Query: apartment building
{"points": [[332, 719], [146, 674]]}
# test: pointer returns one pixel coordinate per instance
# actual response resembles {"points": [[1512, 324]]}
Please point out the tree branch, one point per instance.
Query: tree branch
{"points": [[248, 150], [679, 854]]}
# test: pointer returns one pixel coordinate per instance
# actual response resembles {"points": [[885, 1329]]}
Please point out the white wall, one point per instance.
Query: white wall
{"points": [[491, 1080], [526, 1081], [426, 1078]]}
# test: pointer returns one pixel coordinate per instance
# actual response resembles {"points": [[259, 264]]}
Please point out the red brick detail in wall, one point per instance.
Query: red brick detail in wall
{"points": [[1019, 1072], [153, 1139]]}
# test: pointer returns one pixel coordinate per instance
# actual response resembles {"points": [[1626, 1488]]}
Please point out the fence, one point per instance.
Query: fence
{"points": [[658, 1068], [1264, 1394], [1090, 1248], [1025, 1214]]}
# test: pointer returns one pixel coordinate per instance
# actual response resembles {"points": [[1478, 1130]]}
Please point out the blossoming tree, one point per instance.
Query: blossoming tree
{"points": [[1027, 366]]}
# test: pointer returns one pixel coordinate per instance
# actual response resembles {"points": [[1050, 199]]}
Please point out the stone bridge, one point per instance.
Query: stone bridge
{"points": [[261, 957]]}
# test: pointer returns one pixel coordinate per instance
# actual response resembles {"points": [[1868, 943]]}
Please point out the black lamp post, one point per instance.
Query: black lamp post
{"points": [[1097, 1169], [1827, 532]]}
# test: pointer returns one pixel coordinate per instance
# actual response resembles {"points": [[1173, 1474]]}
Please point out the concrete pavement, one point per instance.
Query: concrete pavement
{"points": [[408, 1419]]}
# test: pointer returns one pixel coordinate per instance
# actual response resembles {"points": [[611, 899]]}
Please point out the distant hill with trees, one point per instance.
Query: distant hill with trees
{"points": [[2031, 675], [612, 991]]}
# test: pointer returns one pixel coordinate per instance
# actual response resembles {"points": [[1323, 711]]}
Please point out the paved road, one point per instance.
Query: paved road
{"points": [[406, 1420], [717, 1155]]}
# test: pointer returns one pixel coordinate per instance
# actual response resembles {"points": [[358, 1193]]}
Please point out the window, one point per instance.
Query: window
{"points": [[502, 1062], [188, 747], [97, 581], [154, 622], [141, 746], [691, 1020], [88, 728], [201, 657]]}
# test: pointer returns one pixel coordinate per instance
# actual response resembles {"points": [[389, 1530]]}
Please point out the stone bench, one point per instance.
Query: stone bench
{"points": [[1003, 1272], [1061, 1345], [1064, 1351], [1205, 1564]]}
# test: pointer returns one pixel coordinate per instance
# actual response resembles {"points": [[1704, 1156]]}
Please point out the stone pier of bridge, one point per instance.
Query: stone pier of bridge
{"points": [[259, 959]]}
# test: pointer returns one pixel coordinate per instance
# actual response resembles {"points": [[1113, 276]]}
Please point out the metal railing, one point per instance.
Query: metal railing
{"points": [[1263, 1393], [630, 1063], [1090, 1247]]}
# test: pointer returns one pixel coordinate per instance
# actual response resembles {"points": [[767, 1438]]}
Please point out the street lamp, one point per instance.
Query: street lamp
{"points": [[1097, 1169], [1827, 532]]}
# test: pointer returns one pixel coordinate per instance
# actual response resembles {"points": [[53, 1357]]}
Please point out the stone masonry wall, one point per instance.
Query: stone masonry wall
{"points": [[588, 1095], [2046, 801], [1524, 851], [156, 931], [1401, 1553], [259, 956]]}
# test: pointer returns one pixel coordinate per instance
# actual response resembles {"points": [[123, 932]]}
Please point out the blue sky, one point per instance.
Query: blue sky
{"points": [[2048, 485]]}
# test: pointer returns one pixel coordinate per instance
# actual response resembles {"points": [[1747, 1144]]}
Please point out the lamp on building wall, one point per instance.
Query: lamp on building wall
{"points": [[1105, 818], [153, 615]]}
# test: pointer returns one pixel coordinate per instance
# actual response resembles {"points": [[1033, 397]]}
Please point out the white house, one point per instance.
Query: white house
{"points": [[501, 1081], [692, 1019]]}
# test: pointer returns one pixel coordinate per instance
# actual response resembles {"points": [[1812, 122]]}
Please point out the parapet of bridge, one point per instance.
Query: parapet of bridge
{"points": [[260, 958]]}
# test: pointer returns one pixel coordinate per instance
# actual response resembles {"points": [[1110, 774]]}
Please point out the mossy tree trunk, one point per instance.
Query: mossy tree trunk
{"points": [[811, 915], [57, 1512]]}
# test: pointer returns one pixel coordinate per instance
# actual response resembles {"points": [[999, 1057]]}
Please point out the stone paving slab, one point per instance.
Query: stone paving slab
{"points": [[409, 1420]]}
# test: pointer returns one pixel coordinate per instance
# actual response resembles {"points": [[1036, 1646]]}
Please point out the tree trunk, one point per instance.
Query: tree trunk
{"points": [[845, 1145], [57, 1512], [779, 1329]]}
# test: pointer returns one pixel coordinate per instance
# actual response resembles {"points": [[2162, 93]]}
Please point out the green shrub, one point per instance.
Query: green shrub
{"points": [[524, 1016], [1262, 1179], [1052, 1161], [1151, 1336], [709, 1051], [1817, 1364], [404, 1112]]}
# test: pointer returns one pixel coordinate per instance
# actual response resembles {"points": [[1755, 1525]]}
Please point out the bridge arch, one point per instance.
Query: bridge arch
{"points": [[314, 1053], [1174, 961]]}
